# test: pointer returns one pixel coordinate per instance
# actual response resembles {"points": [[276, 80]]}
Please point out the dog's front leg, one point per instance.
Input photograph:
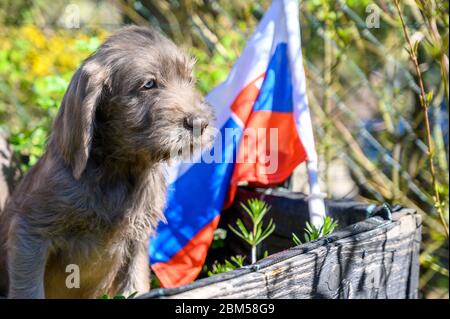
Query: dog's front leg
{"points": [[135, 273], [27, 256]]}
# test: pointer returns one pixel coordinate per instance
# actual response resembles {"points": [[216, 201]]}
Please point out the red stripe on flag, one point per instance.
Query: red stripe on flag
{"points": [[290, 151], [243, 104], [187, 263]]}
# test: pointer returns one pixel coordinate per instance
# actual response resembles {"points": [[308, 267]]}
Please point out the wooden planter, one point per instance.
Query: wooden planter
{"points": [[374, 254]]}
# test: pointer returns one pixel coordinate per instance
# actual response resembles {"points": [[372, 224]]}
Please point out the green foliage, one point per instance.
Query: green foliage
{"points": [[35, 70], [234, 263], [312, 232], [154, 281], [256, 209], [219, 237], [210, 71]]}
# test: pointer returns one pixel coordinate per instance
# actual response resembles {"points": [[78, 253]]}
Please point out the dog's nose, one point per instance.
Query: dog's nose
{"points": [[195, 123]]}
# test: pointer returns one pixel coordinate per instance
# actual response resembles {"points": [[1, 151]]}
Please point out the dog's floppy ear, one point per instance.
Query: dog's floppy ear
{"points": [[74, 126]]}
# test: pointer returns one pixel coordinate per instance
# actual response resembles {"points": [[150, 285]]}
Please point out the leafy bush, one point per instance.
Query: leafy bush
{"points": [[35, 70]]}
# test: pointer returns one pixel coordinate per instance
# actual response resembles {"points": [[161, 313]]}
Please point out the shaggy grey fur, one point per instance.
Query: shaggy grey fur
{"points": [[98, 192]]}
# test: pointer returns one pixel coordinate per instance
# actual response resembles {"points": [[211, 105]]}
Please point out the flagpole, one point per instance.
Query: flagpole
{"points": [[316, 204]]}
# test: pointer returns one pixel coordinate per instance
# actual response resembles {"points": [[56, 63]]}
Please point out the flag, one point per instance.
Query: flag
{"points": [[264, 132]]}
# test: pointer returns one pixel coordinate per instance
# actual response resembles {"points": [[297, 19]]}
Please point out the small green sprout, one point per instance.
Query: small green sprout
{"points": [[218, 268], [220, 235], [256, 209], [312, 232]]}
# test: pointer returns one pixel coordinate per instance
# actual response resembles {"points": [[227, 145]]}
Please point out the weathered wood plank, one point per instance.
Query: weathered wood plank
{"points": [[370, 259]]}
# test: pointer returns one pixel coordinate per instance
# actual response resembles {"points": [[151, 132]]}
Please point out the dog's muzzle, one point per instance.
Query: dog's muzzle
{"points": [[195, 124]]}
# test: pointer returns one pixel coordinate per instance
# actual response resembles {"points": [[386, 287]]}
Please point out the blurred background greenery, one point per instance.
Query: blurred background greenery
{"points": [[362, 87]]}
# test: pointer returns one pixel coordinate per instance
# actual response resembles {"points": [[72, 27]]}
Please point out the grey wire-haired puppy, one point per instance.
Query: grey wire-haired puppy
{"points": [[97, 193]]}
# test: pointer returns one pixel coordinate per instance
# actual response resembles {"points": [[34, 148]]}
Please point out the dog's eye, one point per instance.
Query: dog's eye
{"points": [[150, 85]]}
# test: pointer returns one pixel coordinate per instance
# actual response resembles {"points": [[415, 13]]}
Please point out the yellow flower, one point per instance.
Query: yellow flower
{"points": [[34, 35], [66, 61], [41, 65], [57, 44]]}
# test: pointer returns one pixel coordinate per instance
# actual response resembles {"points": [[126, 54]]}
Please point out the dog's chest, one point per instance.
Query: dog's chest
{"points": [[132, 218], [137, 210], [106, 220], [105, 244]]}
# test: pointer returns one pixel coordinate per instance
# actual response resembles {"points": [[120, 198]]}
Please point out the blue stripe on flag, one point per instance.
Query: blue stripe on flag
{"points": [[276, 90]]}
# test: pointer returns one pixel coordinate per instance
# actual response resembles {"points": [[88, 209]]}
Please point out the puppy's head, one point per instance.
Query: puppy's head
{"points": [[136, 94]]}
